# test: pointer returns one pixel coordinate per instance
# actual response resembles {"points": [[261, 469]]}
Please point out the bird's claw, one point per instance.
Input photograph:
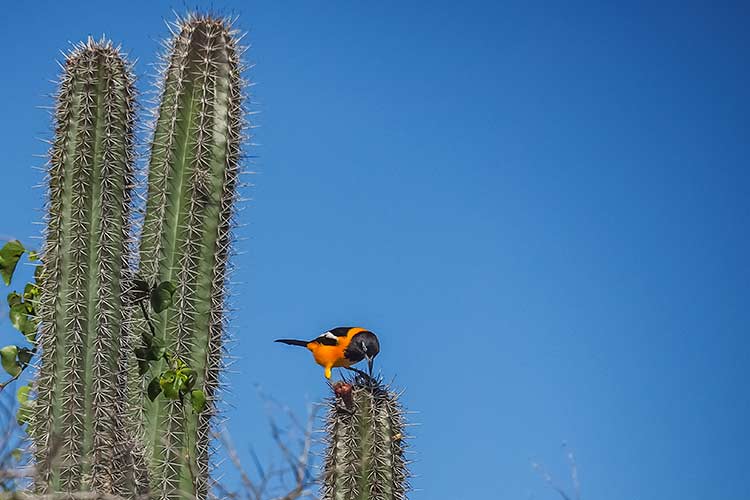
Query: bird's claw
{"points": [[361, 373]]}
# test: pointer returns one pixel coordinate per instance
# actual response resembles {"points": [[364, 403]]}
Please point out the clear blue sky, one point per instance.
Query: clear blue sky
{"points": [[543, 211]]}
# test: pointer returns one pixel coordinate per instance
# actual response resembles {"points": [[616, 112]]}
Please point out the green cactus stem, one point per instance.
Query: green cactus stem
{"points": [[365, 431], [79, 426], [192, 179]]}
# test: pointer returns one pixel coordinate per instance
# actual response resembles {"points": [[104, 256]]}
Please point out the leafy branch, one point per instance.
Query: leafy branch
{"points": [[24, 317], [178, 380]]}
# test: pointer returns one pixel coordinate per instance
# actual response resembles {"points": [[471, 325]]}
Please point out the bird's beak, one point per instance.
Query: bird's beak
{"points": [[369, 365]]}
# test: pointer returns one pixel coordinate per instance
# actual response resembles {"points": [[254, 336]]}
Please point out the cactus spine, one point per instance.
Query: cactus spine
{"points": [[365, 454], [192, 179], [80, 427]]}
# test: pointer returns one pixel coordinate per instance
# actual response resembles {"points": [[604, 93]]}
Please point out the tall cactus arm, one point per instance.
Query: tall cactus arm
{"points": [[192, 180], [81, 399]]}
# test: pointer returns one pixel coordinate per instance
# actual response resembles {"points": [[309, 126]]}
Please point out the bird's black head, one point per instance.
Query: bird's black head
{"points": [[364, 345]]}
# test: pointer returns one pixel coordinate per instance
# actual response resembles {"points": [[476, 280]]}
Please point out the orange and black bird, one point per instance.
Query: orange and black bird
{"points": [[341, 347]]}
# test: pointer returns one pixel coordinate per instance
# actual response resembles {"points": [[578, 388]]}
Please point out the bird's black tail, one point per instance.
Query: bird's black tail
{"points": [[302, 343]]}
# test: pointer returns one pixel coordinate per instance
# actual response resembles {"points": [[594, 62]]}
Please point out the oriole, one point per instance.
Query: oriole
{"points": [[341, 348]]}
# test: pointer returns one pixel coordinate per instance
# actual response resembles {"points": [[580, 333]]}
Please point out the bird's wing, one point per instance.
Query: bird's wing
{"points": [[332, 337], [341, 331]]}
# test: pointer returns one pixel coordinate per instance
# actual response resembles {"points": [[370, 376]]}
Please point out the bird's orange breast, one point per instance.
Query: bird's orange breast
{"points": [[329, 355], [333, 355]]}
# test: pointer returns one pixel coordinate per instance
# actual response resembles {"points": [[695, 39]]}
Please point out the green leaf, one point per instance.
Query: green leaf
{"points": [[18, 316], [25, 355], [23, 311], [20, 319], [140, 290], [198, 400], [141, 355], [8, 356], [14, 298], [26, 405], [23, 414], [33, 255], [168, 384], [143, 367], [154, 388], [31, 335], [162, 295], [9, 257], [170, 391], [179, 364], [38, 272], [156, 352], [189, 376], [16, 454], [22, 394], [141, 285], [155, 349], [145, 355], [31, 292], [178, 385]]}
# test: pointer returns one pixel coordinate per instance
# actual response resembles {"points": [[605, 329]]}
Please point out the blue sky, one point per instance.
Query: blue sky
{"points": [[542, 211]]}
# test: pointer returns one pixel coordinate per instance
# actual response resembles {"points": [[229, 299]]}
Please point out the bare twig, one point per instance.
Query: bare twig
{"points": [[269, 483], [13, 469], [3, 385], [573, 475], [294, 443]]}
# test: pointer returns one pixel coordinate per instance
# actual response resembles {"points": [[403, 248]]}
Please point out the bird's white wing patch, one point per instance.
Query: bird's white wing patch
{"points": [[330, 336]]}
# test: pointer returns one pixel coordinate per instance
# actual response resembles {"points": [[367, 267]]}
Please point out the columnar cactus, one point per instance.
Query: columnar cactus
{"points": [[80, 430], [192, 179], [365, 453]]}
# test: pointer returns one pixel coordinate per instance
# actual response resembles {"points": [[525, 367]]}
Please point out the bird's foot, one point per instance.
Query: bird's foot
{"points": [[366, 375]]}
